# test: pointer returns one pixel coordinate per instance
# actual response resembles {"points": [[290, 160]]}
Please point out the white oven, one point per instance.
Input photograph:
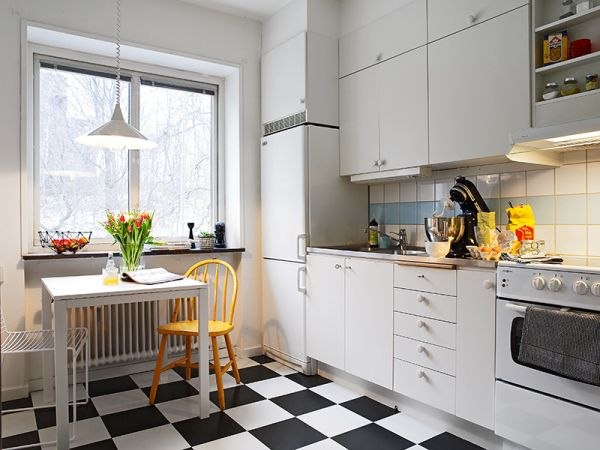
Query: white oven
{"points": [[535, 408]]}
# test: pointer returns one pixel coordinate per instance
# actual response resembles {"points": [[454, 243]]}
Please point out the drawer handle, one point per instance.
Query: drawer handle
{"points": [[421, 299], [421, 324], [488, 284], [421, 374], [421, 349], [420, 276]]}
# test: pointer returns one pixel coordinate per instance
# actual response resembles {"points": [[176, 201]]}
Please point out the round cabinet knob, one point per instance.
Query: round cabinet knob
{"points": [[375, 163], [421, 324], [378, 56], [302, 101], [555, 284], [420, 374], [595, 289], [381, 162], [421, 349], [337, 266], [580, 287], [538, 283], [488, 284], [421, 299]]}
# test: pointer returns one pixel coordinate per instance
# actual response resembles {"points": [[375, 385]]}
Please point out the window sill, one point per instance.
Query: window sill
{"points": [[104, 254]]}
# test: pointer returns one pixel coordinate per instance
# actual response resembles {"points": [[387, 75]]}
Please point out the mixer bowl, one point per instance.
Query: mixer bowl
{"points": [[441, 229]]}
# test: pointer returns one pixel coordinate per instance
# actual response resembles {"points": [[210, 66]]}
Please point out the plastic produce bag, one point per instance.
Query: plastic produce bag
{"points": [[522, 222]]}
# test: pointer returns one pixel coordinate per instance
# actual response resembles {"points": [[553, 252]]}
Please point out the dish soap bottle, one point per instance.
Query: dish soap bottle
{"points": [[373, 234], [110, 274]]}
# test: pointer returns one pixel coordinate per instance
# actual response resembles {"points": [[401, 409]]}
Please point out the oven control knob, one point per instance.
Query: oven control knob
{"points": [[555, 284], [595, 289], [580, 287], [538, 283]]}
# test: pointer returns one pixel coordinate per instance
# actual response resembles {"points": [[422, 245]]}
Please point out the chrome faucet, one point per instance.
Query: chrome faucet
{"points": [[400, 242]]}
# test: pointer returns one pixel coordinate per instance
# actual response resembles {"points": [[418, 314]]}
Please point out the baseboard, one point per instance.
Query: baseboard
{"points": [[249, 352], [14, 393], [308, 367]]}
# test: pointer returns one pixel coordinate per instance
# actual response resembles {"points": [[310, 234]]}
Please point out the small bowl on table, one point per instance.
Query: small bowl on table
{"points": [[65, 241], [437, 249]]}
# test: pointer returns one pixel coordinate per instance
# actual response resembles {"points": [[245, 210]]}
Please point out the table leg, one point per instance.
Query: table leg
{"points": [[47, 363], [203, 350], [61, 377]]}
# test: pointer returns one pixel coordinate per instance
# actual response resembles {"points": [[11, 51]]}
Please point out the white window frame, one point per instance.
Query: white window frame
{"points": [[94, 62]]}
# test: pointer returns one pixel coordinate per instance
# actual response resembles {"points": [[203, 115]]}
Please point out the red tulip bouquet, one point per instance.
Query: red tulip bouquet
{"points": [[131, 230]]}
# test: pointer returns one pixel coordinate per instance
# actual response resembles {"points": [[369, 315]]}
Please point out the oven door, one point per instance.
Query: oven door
{"points": [[509, 325]]}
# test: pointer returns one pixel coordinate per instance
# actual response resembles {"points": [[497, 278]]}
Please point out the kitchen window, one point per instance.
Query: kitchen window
{"points": [[75, 184]]}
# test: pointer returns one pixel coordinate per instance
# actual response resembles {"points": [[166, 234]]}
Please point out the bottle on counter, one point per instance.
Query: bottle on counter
{"points": [[373, 233], [110, 274]]}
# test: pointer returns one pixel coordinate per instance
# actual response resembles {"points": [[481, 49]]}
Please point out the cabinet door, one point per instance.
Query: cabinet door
{"points": [[446, 17], [369, 320], [479, 89], [359, 123], [283, 79], [475, 346], [325, 309], [403, 121]]}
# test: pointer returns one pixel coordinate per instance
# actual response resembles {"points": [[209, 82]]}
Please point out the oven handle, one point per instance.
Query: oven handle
{"points": [[517, 308]]}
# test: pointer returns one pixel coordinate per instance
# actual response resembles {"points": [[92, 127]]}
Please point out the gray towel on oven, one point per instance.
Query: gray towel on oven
{"points": [[564, 342]]}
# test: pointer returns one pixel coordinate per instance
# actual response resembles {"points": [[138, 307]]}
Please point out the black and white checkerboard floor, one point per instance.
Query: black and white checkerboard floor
{"points": [[274, 407]]}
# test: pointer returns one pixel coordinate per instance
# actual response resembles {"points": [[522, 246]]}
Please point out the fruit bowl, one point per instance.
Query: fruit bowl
{"points": [[65, 241]]}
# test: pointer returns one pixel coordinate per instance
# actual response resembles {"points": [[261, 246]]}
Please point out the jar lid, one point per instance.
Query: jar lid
{"points": [[591, 75], [552, 85], [570, 80]]}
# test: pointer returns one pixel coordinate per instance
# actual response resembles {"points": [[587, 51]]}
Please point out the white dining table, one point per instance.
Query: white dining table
{"points": [[85, 291]]}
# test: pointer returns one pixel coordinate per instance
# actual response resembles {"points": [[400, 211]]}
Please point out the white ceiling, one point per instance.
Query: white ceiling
{"points": [[255, 9]]}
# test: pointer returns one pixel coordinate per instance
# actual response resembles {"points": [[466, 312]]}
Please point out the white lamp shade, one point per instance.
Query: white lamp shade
{"points": [[116, 134]]}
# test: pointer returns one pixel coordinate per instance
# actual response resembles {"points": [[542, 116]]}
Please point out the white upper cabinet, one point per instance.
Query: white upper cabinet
{"points": [[389, 36], [445, 17], [479, 88]]}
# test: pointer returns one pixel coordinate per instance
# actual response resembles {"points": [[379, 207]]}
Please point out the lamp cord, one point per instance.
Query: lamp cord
{"points": [[118, 55]]}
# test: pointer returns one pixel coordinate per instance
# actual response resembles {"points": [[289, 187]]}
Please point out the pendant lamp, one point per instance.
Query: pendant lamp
{"points": [[117, 133]]}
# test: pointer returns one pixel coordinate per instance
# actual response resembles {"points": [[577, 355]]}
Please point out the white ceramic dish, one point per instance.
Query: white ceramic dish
{"points": [[437, 249]]}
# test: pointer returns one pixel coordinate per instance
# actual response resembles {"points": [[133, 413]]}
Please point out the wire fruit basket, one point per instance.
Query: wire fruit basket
{"points": [[65, 241]]}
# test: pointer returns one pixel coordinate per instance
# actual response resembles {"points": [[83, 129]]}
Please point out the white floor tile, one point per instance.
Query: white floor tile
{"points": [[144, 379], [183, 408], [326, 444], [37, 397], [242, 363], [408, 427], [238, 441], [333, 420], [121, 401], [416, 447], [228, 381], [281, 369], [163, 438], [17, 423], [274, 387], [258, 414], [335, 392], [86, 432]]}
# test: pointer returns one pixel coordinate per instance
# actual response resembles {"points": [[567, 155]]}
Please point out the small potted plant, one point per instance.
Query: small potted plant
{"points": [[206, 240]]}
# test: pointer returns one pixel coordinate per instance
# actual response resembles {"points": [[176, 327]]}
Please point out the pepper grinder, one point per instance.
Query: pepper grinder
{"points": [[220, 235], [191, 235]]}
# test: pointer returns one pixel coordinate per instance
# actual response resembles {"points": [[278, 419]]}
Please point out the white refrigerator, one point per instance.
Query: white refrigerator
{"points": [[304, 202]]}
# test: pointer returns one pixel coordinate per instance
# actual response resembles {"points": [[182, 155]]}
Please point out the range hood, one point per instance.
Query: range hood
{"points": [[546, 145]]}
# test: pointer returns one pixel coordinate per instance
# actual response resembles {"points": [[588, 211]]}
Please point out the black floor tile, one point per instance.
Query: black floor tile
{"points": [[302, 402], [372, 436], [256, 373], [287, 435], [108, 444], [368, 408], [262, 359], [16, 404], [237, 396], [308, 381], [448, 441], [198, 431], [172, 391], [133, 420], [46, 417], [32, 437], [181, 372], [112, 386]]}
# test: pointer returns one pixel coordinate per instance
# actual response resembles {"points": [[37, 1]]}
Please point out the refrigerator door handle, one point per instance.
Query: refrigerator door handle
{"points": [[301, 247], [301, 288]]}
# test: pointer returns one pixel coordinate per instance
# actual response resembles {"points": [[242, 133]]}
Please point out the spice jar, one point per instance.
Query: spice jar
{"points": [[591, 82], [551, 91], [570, 87]]}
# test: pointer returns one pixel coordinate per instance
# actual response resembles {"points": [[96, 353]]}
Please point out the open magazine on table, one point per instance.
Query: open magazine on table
{"points": [[151, 276]]}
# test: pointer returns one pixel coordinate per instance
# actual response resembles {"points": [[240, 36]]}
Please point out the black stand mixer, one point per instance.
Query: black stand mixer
{"points": [[465, 193]]}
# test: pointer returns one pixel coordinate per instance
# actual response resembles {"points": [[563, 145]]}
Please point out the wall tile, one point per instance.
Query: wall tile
{"points": [[574, 157], [505, 203], [593, 209], [571, 239], [540, 182], [376, 193], [593, 262], [543, 209], [391, 213], [546, 233], [391, 193], [489, 185], [593, 240], [421, 238], [512, 184], [574, 260], [571, 210], [408, 191], [593, 177], [493, 204], [593, 155], [570, 179], [425, 191], [408, 212], [376, 212], [442, 188], [424, 209]]}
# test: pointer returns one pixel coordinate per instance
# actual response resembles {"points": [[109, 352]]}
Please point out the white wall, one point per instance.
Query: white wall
{"points": [[166, 25]]}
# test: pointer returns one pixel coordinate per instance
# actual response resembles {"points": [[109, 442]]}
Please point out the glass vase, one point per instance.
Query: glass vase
{"points": [[131, 255]]}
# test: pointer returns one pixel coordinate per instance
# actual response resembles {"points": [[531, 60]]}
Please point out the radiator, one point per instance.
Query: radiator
{"points": [[127, 333]]}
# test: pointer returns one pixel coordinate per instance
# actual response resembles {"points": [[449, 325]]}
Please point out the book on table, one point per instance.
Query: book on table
{"points": [[151, 276]]}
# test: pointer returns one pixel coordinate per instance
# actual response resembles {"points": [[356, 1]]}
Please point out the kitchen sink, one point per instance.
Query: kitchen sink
{"points": [[387, 251]]}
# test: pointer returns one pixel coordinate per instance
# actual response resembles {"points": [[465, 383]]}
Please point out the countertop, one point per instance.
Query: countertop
{"points": [[417, 259]]}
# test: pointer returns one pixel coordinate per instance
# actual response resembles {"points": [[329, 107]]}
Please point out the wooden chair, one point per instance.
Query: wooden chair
{"points": [[189, 328]]}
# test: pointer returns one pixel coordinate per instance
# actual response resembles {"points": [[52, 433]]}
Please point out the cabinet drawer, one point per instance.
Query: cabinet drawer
{"points": [[426, 355], [425, 304], [426, 330], [425, 385], [438, 281]]}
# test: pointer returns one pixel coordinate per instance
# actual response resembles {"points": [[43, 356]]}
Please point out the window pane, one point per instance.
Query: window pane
{"points": [[175, 178], [77, 183]]}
